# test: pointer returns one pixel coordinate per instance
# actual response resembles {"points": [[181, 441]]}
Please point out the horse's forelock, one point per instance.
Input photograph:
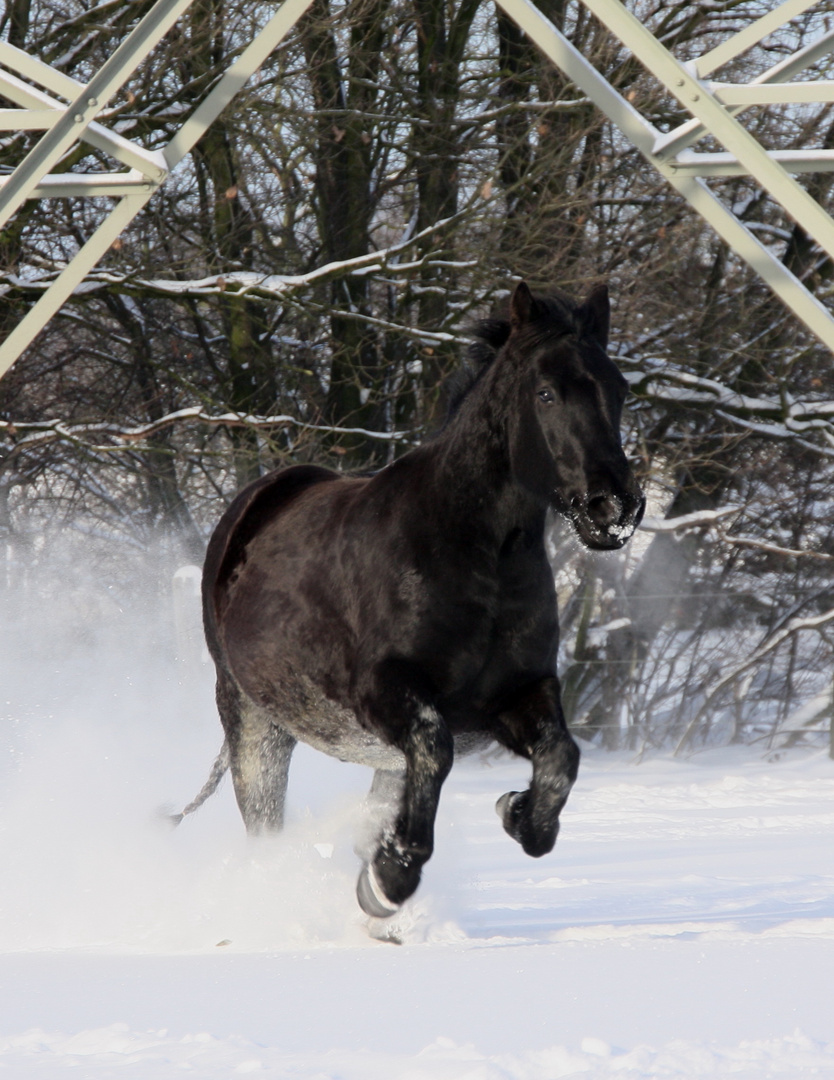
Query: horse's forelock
{"points": [[553, 312], [558, 313]]}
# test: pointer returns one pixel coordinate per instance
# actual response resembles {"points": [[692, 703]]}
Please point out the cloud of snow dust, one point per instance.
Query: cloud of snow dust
{"points": [[103, 724]]}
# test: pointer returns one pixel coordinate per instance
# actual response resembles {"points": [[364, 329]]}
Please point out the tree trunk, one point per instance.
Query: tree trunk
{"points": [[442, 34], [344, 204], [169, 513], [229, 236]]}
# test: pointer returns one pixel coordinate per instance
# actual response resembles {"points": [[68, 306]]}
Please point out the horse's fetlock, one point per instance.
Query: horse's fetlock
{"points": [[395, 849], [538, 842], [517, 814], [572, 754], [398, 874]]}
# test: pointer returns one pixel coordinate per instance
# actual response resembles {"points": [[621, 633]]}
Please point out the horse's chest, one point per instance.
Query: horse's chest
{"points": [[497, 634]]}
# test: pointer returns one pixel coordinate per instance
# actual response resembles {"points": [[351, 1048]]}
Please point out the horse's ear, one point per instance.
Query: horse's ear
{"points": [[596, 315], [522, 306]]}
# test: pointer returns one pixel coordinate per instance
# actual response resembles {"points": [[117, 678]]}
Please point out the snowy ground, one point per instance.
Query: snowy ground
{"points": [[683, 927]]}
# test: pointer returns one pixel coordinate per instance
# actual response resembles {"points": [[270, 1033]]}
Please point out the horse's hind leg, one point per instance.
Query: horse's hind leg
{"points": [[259, 753], [535, 728]]}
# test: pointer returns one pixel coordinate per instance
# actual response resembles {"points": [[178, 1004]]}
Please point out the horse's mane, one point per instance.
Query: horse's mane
{"points": [[557, 314]]}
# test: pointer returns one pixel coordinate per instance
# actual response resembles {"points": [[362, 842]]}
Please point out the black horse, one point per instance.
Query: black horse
{"points": [[395, 619]]}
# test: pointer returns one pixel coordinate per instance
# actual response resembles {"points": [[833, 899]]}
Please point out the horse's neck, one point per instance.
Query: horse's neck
{"points": [[472, 463]]}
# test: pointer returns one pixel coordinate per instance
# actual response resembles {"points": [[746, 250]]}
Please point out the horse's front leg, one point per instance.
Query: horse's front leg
{"points": [[383, 803], [393, 873], [534, 727]]}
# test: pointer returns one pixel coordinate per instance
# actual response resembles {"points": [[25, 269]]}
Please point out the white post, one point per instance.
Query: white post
{"points": [[188, 623]]}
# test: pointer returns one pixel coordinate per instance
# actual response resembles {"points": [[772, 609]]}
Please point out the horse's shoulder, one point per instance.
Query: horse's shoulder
{"points": [[251, 510]]}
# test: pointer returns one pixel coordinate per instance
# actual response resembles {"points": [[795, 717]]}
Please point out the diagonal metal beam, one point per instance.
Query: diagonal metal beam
{"points": [[194, 127], [57, 82], [751, 35], [98, 92], [234, 79], [582, 73], [35, 101], [102, 138], [644, 136], [60, 290], [692, 130], [759, 258], [695, 97]]}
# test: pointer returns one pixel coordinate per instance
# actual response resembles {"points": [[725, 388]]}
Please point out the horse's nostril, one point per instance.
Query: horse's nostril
{"points": [[604, 510]]}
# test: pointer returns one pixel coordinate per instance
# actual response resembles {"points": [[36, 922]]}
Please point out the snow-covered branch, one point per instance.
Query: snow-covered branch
{"points": [[774, 418], [695, 520], [37, 433], [774, 549], [795, 626], [248, 283], [711, 518]]}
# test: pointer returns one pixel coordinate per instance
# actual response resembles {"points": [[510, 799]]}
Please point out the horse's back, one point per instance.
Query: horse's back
{"points": [[252, 510]]}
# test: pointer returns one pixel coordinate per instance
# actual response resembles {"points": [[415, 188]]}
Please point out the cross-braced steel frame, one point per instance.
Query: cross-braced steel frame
{"points": [[66, 111]]}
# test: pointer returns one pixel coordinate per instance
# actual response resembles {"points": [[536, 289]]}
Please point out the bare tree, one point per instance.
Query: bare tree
{"points": [[301, 286]]}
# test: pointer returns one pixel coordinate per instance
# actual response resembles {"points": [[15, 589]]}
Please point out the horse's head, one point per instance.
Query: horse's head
{"points": [[566, 446]]}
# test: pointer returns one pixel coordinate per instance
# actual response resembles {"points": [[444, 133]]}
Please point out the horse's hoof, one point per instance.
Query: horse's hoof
{"points": [[503, 805], [372, 899], [514, 811]]}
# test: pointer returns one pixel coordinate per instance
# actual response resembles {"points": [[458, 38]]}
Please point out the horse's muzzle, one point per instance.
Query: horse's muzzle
{"points": [[604, 521]]}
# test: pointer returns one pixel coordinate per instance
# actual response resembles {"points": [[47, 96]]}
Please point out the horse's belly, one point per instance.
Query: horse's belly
{"points": [[335, 730], [313, 718]]}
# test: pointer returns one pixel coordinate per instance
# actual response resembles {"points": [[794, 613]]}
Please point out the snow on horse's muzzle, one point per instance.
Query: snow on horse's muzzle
{"points": [[605, 521]]}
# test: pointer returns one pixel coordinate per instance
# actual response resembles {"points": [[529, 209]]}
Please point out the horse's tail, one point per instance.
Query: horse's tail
{"points": [[218, 771]]}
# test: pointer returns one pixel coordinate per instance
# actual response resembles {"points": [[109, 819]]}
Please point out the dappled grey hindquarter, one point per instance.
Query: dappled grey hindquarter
{"points": [[398, 619]]}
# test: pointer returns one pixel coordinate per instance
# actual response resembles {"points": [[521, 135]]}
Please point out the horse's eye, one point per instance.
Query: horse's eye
{"points": [[547, 395]]}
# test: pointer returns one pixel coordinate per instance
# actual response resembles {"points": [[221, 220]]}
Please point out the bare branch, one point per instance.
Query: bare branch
{"points": [[28, 435]]}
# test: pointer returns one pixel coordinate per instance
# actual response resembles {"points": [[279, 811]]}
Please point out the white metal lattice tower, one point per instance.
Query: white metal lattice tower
{"points": [[67, 111]]}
